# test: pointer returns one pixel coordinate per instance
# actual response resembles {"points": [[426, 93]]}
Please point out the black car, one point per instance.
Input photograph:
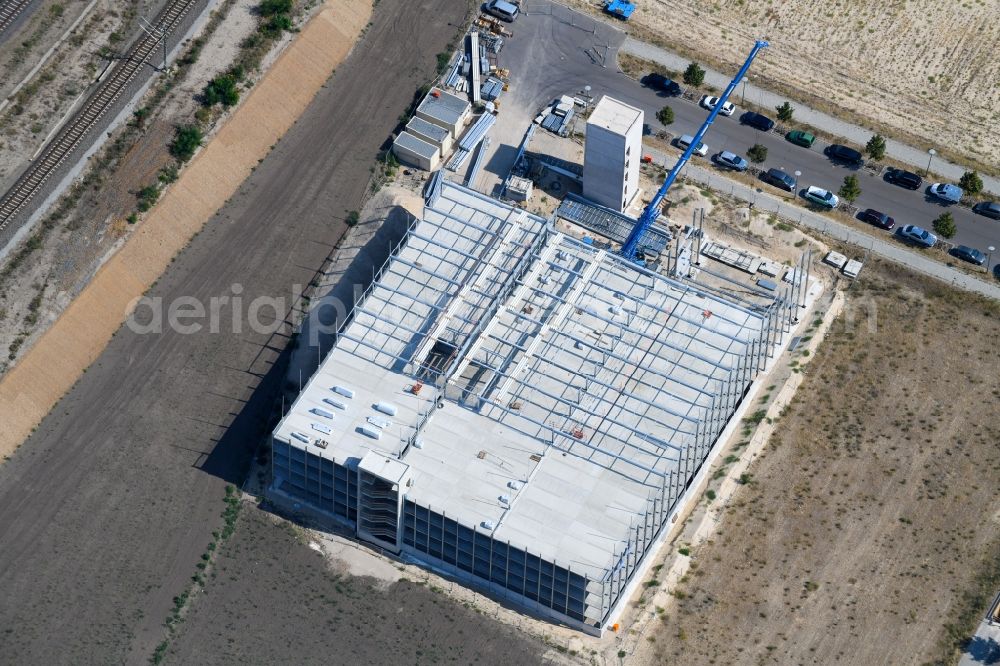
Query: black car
{"points": [[662, 84], [844, 154], [757, 121], [969, 254], [989, 209], [779, 179], [878, 219], [907, 179]]}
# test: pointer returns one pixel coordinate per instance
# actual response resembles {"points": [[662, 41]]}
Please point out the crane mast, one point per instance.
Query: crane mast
{"points": [[630, 248]]}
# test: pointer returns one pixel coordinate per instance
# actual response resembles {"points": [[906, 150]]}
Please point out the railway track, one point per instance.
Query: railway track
{"points": [[9, 10], [100, 101]]}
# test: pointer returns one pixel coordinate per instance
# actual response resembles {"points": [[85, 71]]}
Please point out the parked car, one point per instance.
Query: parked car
{"points": [[907, 179], [685, 140], [969, 254], [945, 192], [844, 154], [779, 179], [873, 216], [912, 232], [989, 209], [820, 197], [731, 161], [505, 11], [800, 138], [662, 84], [709, 103], [757, 121]]}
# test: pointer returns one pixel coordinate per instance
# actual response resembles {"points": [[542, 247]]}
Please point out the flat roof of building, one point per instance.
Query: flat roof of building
{"points": [[423, 128], [444, 106], [416, 145], [614, 115], [537, 385]]}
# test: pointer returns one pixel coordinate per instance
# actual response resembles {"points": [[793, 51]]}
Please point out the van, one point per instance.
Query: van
{"points": [[685, 140], [503, 10], [779, 179]]}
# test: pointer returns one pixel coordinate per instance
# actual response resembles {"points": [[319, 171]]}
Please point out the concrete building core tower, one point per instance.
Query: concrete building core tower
{"points": [[612, 152]]}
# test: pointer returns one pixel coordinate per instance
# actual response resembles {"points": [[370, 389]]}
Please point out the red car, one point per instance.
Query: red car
{"points": [[878, 219]]}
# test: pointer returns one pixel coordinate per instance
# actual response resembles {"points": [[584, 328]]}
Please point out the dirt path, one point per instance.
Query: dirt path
{"points": [[32, 387]]}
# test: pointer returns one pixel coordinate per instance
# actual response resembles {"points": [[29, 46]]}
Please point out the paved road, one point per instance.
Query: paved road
{"points": [[106, 508], [859, 135], [548, 57]]}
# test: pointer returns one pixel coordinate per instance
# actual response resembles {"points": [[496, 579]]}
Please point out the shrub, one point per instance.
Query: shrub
{"points": [[353, 218], [275, 7], [221, 90], [785, 112], [187, 138], [665, 115], [694, 75], [875, 147], [276, 25], [851, 189], [971, 182], [147, 197], [944, 225], [444, 59], [757, 153]]}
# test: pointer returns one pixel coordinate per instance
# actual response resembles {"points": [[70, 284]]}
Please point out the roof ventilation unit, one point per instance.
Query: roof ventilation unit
{"points": [[302, 438], [504, 499], [321, 412], [379, 423], [487, 524], [418, 443], [321, 428], [335, 403], [514, 485], [344, 391], [386, 408], [374, 433]]}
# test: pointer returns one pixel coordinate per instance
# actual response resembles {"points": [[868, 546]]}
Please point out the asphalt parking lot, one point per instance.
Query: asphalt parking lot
{"points": [[556, 51]]}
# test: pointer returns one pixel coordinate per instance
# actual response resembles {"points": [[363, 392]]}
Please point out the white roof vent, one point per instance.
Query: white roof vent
{"points": [[418, 443], [504, 499], [386, 408], [344, 391], [302, 438], [321, 412], [374, 433], [514, 485], [335, 403], [379, 423], [321, 428], [487, 524]]}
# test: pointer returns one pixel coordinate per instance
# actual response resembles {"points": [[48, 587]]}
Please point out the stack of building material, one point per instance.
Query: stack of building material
{"points": [[471, 139], [492, 89], [492, 43], [557, 117]]}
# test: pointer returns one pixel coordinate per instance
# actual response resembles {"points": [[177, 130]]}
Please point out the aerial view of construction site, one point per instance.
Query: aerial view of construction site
{"points": [[506, 332]]}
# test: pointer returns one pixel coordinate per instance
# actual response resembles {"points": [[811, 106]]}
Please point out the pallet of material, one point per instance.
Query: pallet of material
{"points": [[732, 257]]}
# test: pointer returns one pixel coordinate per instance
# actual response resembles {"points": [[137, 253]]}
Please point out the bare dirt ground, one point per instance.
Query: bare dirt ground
{"points": [[864, 534], [924, 70], [273, 598], [108, 506]]}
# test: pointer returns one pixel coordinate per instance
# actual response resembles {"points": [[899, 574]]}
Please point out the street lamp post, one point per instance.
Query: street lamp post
{"points": [[931, 153], [989, 256]]}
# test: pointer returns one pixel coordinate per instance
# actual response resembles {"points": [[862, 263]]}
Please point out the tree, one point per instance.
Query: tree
{"points": [[187, 138], [944, 225], [971, 182], [757, 153], [694, 75], [851, 189], [875, 147], [665, 115], [785, 112]]}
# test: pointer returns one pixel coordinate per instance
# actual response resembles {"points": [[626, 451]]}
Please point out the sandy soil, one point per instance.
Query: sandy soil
{"points": [[860, 531], [925, 69], [321, 612], [30, 389]]}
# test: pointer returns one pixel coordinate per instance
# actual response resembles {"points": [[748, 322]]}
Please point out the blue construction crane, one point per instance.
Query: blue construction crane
{"points": [[631, 247]]}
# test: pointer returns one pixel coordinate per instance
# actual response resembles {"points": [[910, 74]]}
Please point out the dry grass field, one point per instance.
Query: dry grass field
{"points": [[924, 71], [867, 532]]}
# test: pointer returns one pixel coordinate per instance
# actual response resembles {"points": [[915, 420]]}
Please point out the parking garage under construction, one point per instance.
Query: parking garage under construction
{"points": [[523, 410]]}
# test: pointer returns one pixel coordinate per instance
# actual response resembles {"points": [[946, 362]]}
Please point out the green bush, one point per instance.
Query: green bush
{"points": [[275, 7], [875, 147], [971, 182], [694, 75], [187, 138], [276, 25], [785, 112], [944, 225], [147, 197], [851, 189], [221, 90], [757, 153], [665, 115]]}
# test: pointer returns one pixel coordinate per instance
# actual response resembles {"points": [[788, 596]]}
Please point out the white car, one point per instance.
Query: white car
{"points": [[709, 103], [685, 140], [821, 197]]}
